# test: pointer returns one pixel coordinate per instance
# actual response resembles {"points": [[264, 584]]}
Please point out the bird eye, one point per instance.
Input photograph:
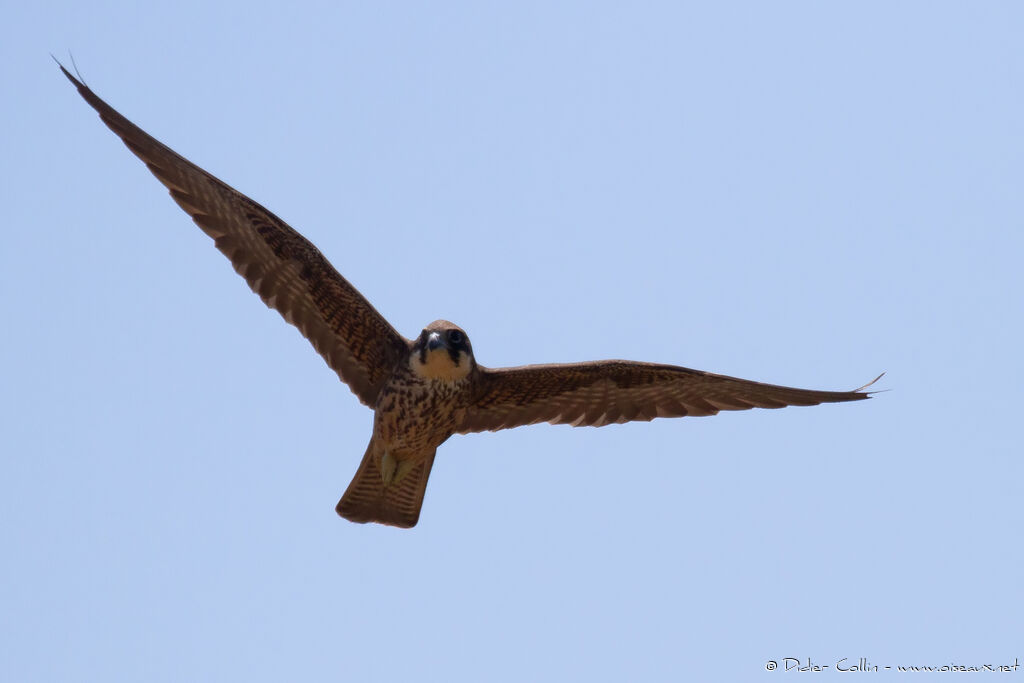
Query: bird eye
{"points": [[456, 337]]}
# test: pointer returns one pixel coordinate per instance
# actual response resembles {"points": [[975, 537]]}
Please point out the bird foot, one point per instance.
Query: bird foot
{"points": [[393, 470]]}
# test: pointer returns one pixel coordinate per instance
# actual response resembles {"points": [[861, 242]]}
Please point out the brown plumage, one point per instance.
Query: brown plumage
{"points": [[425, 390], [614, 391], [367, 499]]}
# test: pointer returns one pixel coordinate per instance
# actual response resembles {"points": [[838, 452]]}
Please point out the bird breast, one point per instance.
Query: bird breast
{"points": [[414, 415]]}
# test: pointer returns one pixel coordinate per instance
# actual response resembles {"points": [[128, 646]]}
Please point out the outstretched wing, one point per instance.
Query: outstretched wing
{"points": [[606, 392], [280, 265]]}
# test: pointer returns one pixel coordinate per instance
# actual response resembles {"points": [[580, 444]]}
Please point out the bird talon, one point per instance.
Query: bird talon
{"points": [[388, 468], [393, 470]]}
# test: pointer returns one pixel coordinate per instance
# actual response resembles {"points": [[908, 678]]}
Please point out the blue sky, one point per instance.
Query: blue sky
{"points": [[798, 193]]}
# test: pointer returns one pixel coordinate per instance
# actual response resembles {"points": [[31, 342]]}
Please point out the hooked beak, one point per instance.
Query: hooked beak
{"points": [[434, 341]]}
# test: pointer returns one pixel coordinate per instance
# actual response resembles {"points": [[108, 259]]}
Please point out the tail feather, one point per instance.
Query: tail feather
{"points": [[368, 500]]}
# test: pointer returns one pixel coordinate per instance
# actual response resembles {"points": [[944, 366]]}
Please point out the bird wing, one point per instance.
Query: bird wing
{"points": [[614, 391], [280, 265]]}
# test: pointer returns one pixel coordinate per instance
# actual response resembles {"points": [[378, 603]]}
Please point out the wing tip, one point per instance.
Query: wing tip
{"points": [[78, 82], [868, 394]]}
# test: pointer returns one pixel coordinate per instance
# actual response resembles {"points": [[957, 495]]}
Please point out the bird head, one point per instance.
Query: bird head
{"points": [[442, 351]]}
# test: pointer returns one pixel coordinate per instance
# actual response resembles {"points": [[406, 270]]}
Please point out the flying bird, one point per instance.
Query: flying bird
{"points": [[426, 389]]}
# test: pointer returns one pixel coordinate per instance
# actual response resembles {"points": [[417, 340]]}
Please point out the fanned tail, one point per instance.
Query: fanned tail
{"points": [[368, 500]]}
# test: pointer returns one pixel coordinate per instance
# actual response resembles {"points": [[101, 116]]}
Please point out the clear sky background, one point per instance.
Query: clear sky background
{"points": [[798, 193]]}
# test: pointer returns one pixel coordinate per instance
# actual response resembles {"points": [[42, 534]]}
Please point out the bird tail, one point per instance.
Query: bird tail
{"points": [[367, 499]]}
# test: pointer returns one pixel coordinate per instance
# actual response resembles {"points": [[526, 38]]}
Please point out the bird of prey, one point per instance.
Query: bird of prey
{"points": [[425, 389]]}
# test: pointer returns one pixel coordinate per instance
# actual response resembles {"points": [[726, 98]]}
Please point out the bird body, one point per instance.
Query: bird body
{"points": [[425, 390]]}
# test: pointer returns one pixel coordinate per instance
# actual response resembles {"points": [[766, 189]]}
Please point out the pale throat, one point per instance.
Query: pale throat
{"points": [[438, 364]]}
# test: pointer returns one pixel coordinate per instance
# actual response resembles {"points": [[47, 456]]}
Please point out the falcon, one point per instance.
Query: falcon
{"points": [[423, 390]]}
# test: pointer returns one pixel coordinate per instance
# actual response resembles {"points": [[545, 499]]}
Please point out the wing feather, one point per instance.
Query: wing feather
{"points": [[287, 272], [615, 391]]}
